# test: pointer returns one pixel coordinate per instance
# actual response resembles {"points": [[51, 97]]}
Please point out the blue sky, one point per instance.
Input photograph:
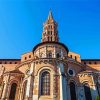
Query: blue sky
{"points": [[21, 24]]}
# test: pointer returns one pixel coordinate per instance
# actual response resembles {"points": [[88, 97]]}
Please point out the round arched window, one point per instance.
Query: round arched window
{"points": [[71, 72], [45, 83], [58, 55], [13, 91]]}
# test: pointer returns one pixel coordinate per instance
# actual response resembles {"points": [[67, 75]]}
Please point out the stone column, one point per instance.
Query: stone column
{"points": [[1, 90], [8, 91], [68, 91], [21, 90], [54, 52], [80, 92], [4, 94], [93, 88], [35, 92], [65, 88], [29, 88], [45, 52], [63, 83], [21, 94], [4, 91], [61, 53], [94, 92]]}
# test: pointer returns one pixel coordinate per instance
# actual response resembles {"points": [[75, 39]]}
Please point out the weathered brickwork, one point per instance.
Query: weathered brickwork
{"points": [[49, 72]]}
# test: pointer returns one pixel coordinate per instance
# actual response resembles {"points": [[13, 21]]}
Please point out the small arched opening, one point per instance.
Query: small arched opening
{"points": [[49, 55], [13, 91], [72, 91], [58, 55], [87, 92]]}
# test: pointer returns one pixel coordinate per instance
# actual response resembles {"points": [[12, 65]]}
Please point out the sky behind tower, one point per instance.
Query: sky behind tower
{"points": [[21, 24]]}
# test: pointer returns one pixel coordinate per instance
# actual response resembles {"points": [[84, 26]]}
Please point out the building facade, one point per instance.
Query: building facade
{"points": [[49, 72]]}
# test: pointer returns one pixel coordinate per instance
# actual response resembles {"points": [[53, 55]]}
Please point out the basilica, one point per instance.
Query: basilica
{"points": [[50, 72]]}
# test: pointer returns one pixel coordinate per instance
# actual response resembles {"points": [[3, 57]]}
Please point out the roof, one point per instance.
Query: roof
{"points": [[43, 43], [50, 16], [15, 71], [90, 59], [10, 59]]}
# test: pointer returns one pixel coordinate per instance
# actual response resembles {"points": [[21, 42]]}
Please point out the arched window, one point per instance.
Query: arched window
{"points": [[48, 38], [49, 55], [13, 91], [72, 91], [45, 83], [58, 55], [75, 58], [24, 89], [51, 38], [71, 56], [87, 92]]}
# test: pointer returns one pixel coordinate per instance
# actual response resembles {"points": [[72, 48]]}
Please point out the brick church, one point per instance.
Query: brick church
{"points": [[49, 72]]}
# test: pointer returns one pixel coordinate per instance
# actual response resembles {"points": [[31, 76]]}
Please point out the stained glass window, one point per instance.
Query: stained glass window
{"points": [[45, 83]]}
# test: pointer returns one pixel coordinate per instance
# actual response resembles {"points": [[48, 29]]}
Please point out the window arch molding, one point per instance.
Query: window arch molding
{"points": [[85, 81], [73, 80], [44, 68], [13, 88], [38, 73], [11, 82]]}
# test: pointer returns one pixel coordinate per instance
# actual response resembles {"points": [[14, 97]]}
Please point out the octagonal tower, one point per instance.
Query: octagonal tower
{"points": [[50, 31]]}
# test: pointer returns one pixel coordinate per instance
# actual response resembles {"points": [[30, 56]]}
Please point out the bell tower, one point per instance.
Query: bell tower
{"points": [[50, 31]]}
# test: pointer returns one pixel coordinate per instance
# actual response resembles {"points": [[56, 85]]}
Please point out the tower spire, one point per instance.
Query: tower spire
{"points": [[50, 31], [50, 15]]}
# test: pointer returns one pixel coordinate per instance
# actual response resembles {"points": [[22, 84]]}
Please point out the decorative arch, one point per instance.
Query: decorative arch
{"points": [[85, 81], [72, 86], [39, 74], [13, 88], [87, 91], [13, 81], [43, 69]]}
